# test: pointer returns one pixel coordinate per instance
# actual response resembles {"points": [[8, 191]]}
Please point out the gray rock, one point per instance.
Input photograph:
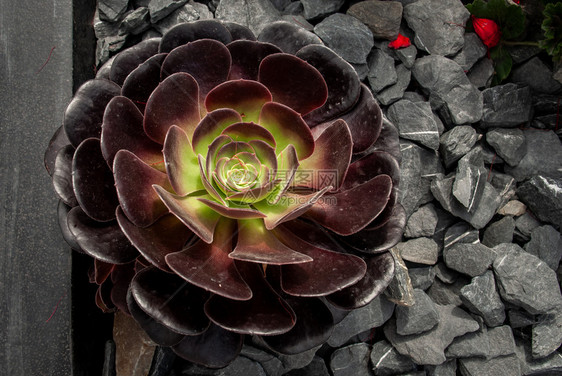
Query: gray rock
{"points": [[501, 341], [547, 334], [422, 278], [135, 22], [445, 274], [112, 10], [108, 46], [254, 14], [448, 87], [484, 209], [269, 362], [296, 361], [546, 244], [316, 368], [387, 361], [241, 366], [525, 281], [542, 195], [104, 29], [504, 185], [469, 345], [418, 318], [449, 368], [351, 360], [473, 49], [508, 143], [359, 320], [429, 347], [506, 106], [407, 55], [520, 54], [422, 222], [470, 179], [445, 294], [185, 13], [295, 8], [454, 144], [525, 224], [419, 250], [504, 365], [314, 9], [550, 365], [159, 9], [382, 17], [537, 75], [362, 70], [481, 73], [461, 232], [400, 290], [499, 232], [519, 318], [482, 298], [288, 36], [396, 91], [470, 259], [382, 72], [544, 153], [347, 36], [436, 24], [415, 122]]}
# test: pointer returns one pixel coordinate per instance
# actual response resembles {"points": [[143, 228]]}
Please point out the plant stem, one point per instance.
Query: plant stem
{"points": [[526, 43]]}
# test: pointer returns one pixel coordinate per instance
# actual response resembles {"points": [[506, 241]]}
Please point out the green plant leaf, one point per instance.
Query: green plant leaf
{"points": [[552, 27], [510, 17], [502, 64]]}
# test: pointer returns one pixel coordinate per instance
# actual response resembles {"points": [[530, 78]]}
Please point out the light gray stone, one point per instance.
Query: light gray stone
{"points": [[418, 318], [455, 143], [482, 298], [254, 14], [185, 13], [112, 10], [504, 365], [481, 73], [382, 17], [419, 250], [400, 290], [473, 49], [407, 55], [422, 222], [547, 366], [415, 122], [314, 9], [382, 72], [508, 143], [449, 368], [395, 92], [499, 232], [546, 244], [501, 341], [547, 333], [159, 9], [470, 179], [469, 345], [135, 22], [469, 259]]}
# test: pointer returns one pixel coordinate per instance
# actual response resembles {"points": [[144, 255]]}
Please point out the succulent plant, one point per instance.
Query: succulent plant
{"points": [[227, 186]]}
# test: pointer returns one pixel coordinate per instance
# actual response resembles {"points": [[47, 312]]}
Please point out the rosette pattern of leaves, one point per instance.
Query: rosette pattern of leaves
{"points": [[229, 186]]}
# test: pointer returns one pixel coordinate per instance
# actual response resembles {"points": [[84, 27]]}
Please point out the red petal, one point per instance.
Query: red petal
{"points": [[400, 42]]}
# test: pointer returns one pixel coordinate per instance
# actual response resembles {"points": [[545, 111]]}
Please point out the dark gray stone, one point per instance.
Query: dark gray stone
{"points": [[400, 290], [504, 365], [449, 368], [445, 274], [382, 72], [525, 224], [418, 318], [382, 17], [104, 29], [469, 345], [362, 70], [546, 244], [422, 278], [108, 46], [422, 222], [481, 73], [387, 361], [297, 361], [269, 362], [254, 14], [461, 232], [547, 333], [436, 24], [347, 36], [419, 250], [469, 259], [429, 347], [407, 55], [519, 318], [544, 153], [415, 122], [454, 144], [470, 179], [472, 50], [159, 9], [359, 320], [446, 294], [112, 10], [314, 9], [442, 187], [506, 106], [162, 362], [537, 75], [499, 232], [508, 143], [542, 195], [295, 8], [351, 360], [449, 88], [501, 341], [316, 368], [525, 281], [241, 366], [396, 91], [482, 298], [185, 13], [136, 22], [504, 185], [547, 366]]}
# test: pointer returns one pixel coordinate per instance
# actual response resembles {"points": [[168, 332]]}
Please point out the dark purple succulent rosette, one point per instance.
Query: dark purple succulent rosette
{"points": [[225, 187]]}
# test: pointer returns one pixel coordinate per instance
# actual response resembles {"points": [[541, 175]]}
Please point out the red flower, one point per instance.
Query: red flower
{"points": [[400, 42], [487, 30]]}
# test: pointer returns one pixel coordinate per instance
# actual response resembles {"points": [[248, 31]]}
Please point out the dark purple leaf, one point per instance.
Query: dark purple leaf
{"points": [[102, 240], [128, 60], [189, 32], [266, 313], [103, 297], [238, 31], [57, 142], [121, 277], [68, 236], [293, 82], [380, 270], [102, 270], [232, 212], [388, 141], [343, 84], [287, 36], [371, 165], [84, 115], [142, 81], [246, 132], [171, 301], [93, 182], [246, 58], [62, 175]]}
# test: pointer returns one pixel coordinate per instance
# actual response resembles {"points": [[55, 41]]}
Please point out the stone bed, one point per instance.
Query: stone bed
{"points": [[477, 288]]}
